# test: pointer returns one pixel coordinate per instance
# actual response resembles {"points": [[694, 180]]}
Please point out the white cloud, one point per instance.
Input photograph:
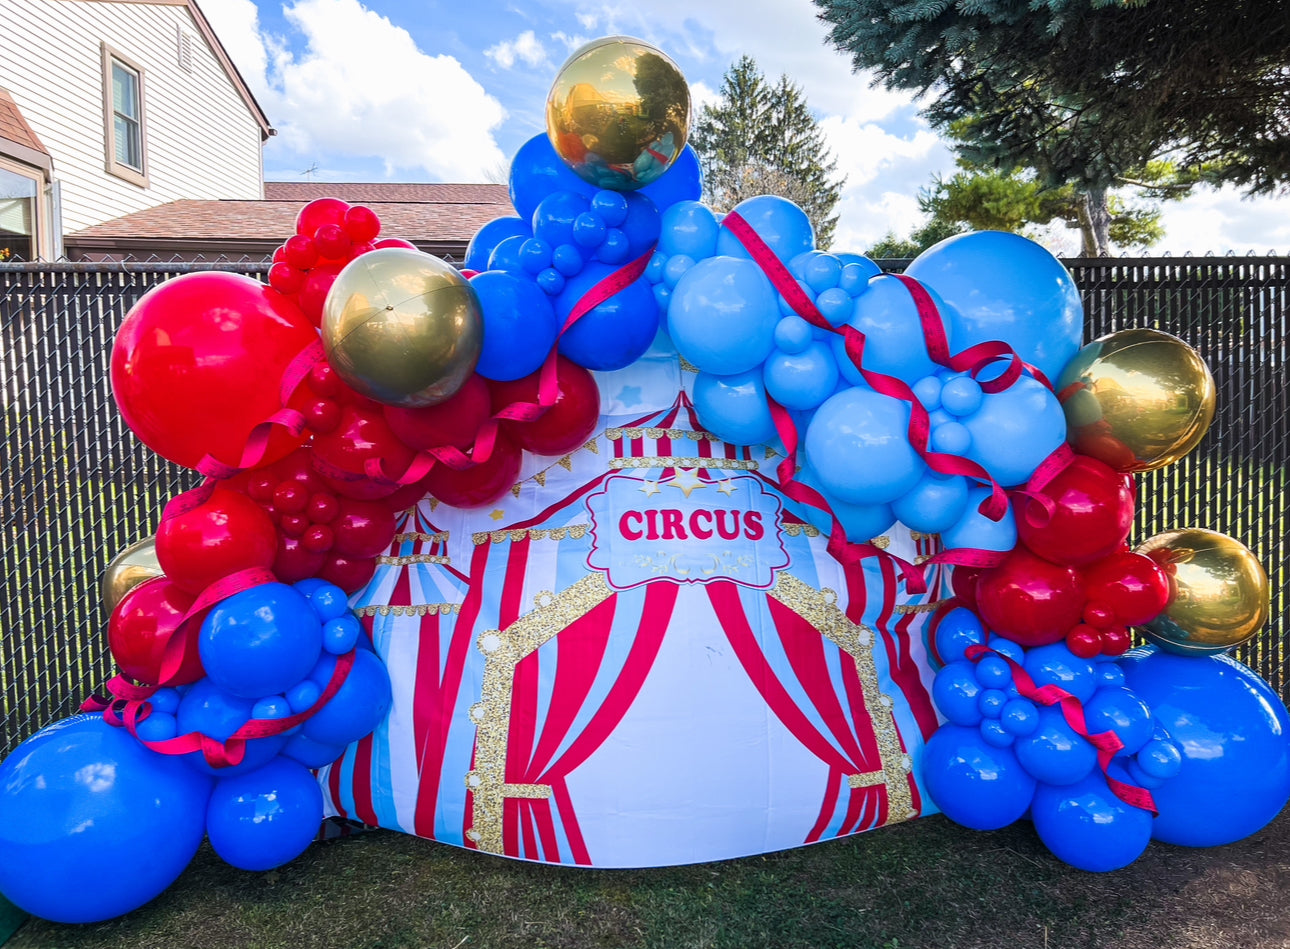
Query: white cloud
{"points": [[237, 24], [1222, 221], [702, 94], [526, 47], [588, 20]]}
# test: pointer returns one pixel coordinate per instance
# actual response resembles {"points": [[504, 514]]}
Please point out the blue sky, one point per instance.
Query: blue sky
{"points": [[401, 90]]}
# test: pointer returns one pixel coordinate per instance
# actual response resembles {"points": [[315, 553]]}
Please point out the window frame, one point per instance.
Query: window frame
{"points": [[41, 212], [137, 176]]}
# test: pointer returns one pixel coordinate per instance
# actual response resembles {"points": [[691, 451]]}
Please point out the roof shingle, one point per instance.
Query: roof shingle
{"points": [[14, 127], [384, 192]]}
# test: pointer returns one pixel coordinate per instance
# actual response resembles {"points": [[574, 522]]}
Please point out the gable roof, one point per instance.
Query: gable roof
{"points": [[386, 191], [17, 138]]}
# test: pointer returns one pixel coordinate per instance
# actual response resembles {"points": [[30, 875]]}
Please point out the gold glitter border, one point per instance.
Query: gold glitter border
{"points": [[677, 461], [415, 609], [573, 532], [408, 559], [436, 538], [654, 434]]}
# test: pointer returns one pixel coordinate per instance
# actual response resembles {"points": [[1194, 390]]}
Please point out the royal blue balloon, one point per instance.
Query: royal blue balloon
{"points": [[641, 226], [537, 171], [689, 228], [1160, 758], [509, 256], [972, 782], [934, 504], [734, 408], [860, 522], [312, 754], [955, 632], [555, 216], [894, 346], [1086, 825], [956, 692], [81, 794], [519, 325], [268, 817], [1005, 287], [1122, 712], [357, 708], [1234, 735], [683, 181], [975, 530], [487, 238], [260, 641], [1015, 430], [779, 222], [1019, 716], [1054, 753], [614, 334], [326, 600], [859, 446], [208, 710], [723, 314], [801, 380], [340, 635], [1055, 664]]}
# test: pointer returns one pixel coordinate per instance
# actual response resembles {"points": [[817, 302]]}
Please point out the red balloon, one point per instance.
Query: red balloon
{"points": [[1084, 641], [227, 533], [333, 242], [300, 252], [286, 279], [1131, 585], [364, 528], [1030, 600], [341, 455], [454, 422], [394, 242], [405, 497], [198, 363], [963, 581], [362, 224], [144, 622], [1091, 516], [317, 213], [482, 484], [297, 469], [349, 573], [295, 561], [566, 425], [1116, 641], [313, 294]]}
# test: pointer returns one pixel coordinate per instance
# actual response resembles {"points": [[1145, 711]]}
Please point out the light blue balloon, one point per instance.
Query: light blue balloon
{"points": [[722, 315], [961, 395], [820, 270], [734, 407], [894, 344], [859, 446], [1054, 753], [972, 782], [860, 522], [487, 238], [1015, 430], [793, 335], [1087, 826], [779, 222], [801, 380], [1001, 286], [857, 271], [689, 228], [950, 438], [934, 504], [975, 530]]}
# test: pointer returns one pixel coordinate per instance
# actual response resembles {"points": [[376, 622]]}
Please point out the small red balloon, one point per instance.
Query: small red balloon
{"points": [[226, 533], [1030, 600], [394, 242], [286, 279], [1116, 641], [453, 422], [332, 242], [300, 251], [361, 224], [295, 562], [279, 254], [297, 470], [341, 456], [1091, 514], [1084, 641], [313, 294], [319, 539], [144, 623], [317, 213], [351, 574], [322, 508], [1131, 585], [567, 424], [482, 484], [363, 529]]}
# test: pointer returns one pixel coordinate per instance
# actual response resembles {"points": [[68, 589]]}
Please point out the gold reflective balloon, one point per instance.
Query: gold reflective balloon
{"points": [[618, 113], [1218, 592], [402, 327], [1137, 399], [128, 569]]}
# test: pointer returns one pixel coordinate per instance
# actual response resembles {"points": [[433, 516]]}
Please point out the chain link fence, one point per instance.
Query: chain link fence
{"points": [[77, 487]]}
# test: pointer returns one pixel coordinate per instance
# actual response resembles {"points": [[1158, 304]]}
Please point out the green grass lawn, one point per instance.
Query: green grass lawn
{"points": [[924, 884]]}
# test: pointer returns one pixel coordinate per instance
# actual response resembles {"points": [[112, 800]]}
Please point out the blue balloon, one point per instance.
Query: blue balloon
{"points": [[1053, 753], [487, 238], [722, 316], [1055, 664], [1001, 286], [734, 408], [641, 226], [519, 326], [358, 707], [801, 380], [509, 255], [327, 600], [779, 222], [210, 711], [961, 395], [975, 530], [860, 522], [894, 346], [81, 794], [555, 216], [1234, 735], [1019, 716], [1086, 825], [689, 228], [793, 335], [312, 754], [1122, 712], [858, 444], [857, 271], [934, 504], [260, 641], [956, 693], [818, 269], [1015, 430], [955, 632], [1160, 758], [974, 783], [340, 635], [614, 334], [268, 817], [683, 181], [537, 171]]}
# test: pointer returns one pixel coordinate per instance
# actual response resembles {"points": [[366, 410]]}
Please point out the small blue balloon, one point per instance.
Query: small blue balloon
{"points": [[1015, 430], [642, 224], [1055, 664], [1160, 759], [961, 395], [974, 529], [551, 281], [928, 392], [859, 446], [613, 334], [689, 228], [974, 783], [1122, 712], [537, 171], [507, 255], [951, 438], [615, 248], [991, 702], [611, 206], [723, 315], [309, 586], [158, 726], [957, 630], [208, 710], [835, 305], [519, 325], [676, 268], [995, 735], [780, 223], [271, 707], [801, 380], [895, 345], [1020, 717], [993, 672], [266, 818], [357, 708], [1054, 753], [857, 271], [312, 754], [1109, 673], [683, 181], [165, 700], [487, 238], [860, 522], [340, 635], [328, 601], [734, 408], [589, 229], [956, 692], [303, 695], [553, 220], [793, 335], [566, 260], [821, 271], [535, 255], [260, 641], [934, 504], [1086, 825], [81, 793], [1006, 647]]}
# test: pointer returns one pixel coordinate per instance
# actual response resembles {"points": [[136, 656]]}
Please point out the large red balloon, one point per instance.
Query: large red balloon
{"points": [[481, 484], [227, 533], [144, 622], [454, 422], [567, 424], [363, 529], [295, 561], [1091, 515], [1030, 600], [341, 456], [1130, 585], [198, 363]]}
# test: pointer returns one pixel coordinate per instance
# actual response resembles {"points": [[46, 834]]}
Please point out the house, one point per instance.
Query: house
{"points": [[111, 107]]}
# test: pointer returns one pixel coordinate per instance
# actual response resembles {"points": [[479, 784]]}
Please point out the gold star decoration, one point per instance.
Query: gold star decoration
{"points": [[497, 514], [687, 480], [727, 487], [649, 488]]}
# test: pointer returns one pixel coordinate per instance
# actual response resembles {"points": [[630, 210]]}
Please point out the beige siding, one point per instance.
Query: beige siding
{"points": [[202, 140]]}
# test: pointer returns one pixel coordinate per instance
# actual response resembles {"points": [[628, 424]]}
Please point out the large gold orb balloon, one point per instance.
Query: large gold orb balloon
{"points": [[618, 113], [1218, 591], [131, 567], [1137, 399], [402, 327]]}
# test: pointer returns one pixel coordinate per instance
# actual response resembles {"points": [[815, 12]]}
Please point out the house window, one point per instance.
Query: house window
{"points": [[123, 118], [19, 215]]}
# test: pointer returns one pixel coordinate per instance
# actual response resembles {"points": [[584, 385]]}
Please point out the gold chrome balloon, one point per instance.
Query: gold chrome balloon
{"points": [[1218, 592], [128, 569], [618, 113], [402, 327], [1137, 399]]}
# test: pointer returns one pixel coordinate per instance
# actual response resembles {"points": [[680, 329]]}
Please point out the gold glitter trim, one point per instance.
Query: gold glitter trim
{"points": [[416, 609], [675, 461], [566, 462], [540, 478], [503, 650], [573, 532], [908, 608], [882, 543], [412, 558], [516, 489], [819, 608], [654, 434], [688, 366], [797, 530], [438, 537], [870, 779], [592, 447]]}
